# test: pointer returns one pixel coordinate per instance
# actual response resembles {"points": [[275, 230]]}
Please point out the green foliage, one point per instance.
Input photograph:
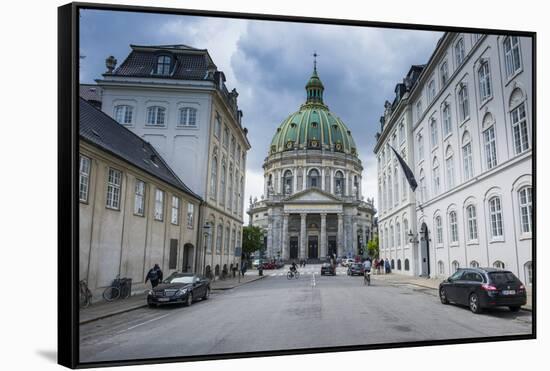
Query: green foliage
{"points": [[373, 248], [253, 239]]}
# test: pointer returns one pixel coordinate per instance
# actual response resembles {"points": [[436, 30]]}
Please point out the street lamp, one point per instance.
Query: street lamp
{"points": [[206, 233]]}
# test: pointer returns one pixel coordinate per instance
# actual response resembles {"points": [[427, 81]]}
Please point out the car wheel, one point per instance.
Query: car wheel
{"points": [[189, 300], [206, 294], [515, 308], [443, 296], [474, 304]]}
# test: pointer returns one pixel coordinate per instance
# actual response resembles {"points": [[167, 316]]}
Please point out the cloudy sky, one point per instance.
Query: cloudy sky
{"points": [[269, 64]]}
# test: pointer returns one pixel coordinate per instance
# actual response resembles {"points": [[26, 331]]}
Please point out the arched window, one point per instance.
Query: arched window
{"points": [[447, 122], [222, 184], [471, 214], [230, 188], [339, 183], [405, 232], [528, 268], [433, 132], [444, 73], [463, 102], [474, 264], [226, 244], [420, 140], [438, 230], [392, 237], [440, 267], [407, 267], [512, 56], [124, 114], [187, 116], [455, 265], [484, 76], [398, 234], [156, 115], [214, 178], [450, 167], [314, 179], [460, 52], [526, 209], [398, 264], [431, 91], [287, 183], [495, 213], [436, 176], [489, 141], [163, 65], [453, 227], [518, 118], [467, 160], [392, 264], [498, 264], [219, 239]]}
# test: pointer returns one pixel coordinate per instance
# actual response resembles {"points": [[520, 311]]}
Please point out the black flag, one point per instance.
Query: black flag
{"points": [[407, 170]]}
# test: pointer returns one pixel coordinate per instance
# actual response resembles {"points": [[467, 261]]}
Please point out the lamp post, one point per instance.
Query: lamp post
{"points": [[206, 233]]}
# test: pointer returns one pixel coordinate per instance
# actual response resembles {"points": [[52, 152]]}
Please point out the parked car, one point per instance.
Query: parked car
{"points": [[269, 265], [347, 262], [328, 268], [356, 268], [481, 288], [256, 263], [179, 288]]}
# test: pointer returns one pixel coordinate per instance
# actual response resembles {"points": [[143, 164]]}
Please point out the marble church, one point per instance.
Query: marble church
{"points": [[312, 205]]}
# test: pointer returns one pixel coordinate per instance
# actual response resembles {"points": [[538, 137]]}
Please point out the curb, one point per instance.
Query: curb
{"points": [[106, 315], [240, 284]]}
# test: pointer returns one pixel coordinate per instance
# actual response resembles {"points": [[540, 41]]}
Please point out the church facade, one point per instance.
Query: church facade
{"points": [[312, 205]]}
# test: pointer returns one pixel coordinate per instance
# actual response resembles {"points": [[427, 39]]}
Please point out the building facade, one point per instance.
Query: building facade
{"points": [[134, 211], [312, 205], [463, 122], [174, 97]]}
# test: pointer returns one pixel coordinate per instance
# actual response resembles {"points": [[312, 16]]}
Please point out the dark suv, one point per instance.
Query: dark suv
{"points": [[481, 288]]}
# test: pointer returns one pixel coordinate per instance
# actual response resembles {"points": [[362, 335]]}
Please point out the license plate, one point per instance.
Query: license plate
{"points": [[164, 299], [508, 292]]}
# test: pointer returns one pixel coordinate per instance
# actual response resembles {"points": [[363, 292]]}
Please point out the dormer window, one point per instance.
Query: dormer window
{"points": [[163, 65]]}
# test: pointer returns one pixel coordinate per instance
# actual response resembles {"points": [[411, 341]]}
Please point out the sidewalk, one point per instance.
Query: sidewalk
{"points": [[431, 283], [103, 309]]}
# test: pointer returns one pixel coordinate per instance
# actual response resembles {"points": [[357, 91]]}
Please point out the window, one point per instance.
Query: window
{"points": [[418, 110], [398, 234], [233, 240], [467, 157], [498, 264], [222, 184], [156, 115], [175, 210], [444, 73], [241, 193], [519, 129], [431, 91], [454, 227], [113, 189], [398, 264], [190, 215], [392, 237], [423, 190], [512, 55], [226, 244], [214, 178], [314, 179], [159, 205], [84, 178], [401, 133], [449, 166], [218, 126], [472, 222], [495, 212], [459, 52], [463, 105], [474, 264], [405, 232], [440, 267], [407, 266], [219, 237], [139, 198], [436, 177], [420, 147], [484, 76], [230, 190], [456, 265], [433, 131], [447, 128], [188, 116], [528, 267], [163, 65], [236, 195], [490, 147], [123, 114], [439, 230], [526, 209]]}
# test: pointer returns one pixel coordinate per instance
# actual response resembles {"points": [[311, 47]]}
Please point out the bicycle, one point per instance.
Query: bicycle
{"points": [[120, 288], [366, 278], [290, 275], [85, 294]]}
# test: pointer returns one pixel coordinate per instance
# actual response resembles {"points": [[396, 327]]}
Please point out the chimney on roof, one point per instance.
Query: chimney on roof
{"points": [[110, 63]]}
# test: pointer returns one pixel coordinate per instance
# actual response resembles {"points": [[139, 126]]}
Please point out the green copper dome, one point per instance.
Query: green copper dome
{"points": [[313, 126]]}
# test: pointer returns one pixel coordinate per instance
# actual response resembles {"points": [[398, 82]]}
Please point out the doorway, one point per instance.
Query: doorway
{"points": [[313, 247], [293, 247], [332, 245], [187, 263], [425, 250]]}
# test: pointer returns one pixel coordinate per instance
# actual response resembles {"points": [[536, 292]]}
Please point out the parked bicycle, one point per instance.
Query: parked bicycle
{"points": [[293, 274], [85, 295], [366, 278], [120, 288]]}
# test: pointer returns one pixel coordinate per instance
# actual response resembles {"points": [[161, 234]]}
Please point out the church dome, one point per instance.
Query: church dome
{"points": [[313, 126]]}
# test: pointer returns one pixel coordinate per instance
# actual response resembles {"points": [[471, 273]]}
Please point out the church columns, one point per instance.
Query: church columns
{"points": [[340, 236], [354, 235], [295, 186], [323, 249], [285, 253], [303, 236], [305, 179], [323, 178]]}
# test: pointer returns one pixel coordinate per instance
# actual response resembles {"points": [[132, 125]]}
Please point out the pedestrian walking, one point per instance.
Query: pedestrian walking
{"points": [[243, 268], [154, 275], [387, 266]]}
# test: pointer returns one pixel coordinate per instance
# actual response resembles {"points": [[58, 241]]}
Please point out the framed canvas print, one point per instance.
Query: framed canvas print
{"points": [[239, 185]]}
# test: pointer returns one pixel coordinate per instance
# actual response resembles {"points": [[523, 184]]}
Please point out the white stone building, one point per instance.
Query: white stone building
{"points": [[174, 97], [313, 205], [463, 122]]}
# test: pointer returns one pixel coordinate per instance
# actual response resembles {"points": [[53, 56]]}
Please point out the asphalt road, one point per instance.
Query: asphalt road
{"points": [[276, 313]]}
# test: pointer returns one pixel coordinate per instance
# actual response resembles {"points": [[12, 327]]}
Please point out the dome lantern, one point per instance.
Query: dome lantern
{"points": [[314, 86]]}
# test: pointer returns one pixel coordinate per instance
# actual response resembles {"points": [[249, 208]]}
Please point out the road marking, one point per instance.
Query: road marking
{"points": [[146, 322], [313, 279]]}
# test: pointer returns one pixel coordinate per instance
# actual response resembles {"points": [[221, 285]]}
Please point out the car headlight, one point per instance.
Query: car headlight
{"points": [[181, 292]]}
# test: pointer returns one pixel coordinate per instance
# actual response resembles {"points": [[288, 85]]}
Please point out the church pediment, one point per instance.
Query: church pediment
{"points": [[312, 195]]}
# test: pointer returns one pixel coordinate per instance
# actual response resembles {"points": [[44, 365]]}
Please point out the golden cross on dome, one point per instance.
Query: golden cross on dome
{"points": [[315, 55]]}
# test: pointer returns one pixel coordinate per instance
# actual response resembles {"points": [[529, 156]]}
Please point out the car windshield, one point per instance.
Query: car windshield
{"points": [[179, 279], [357, 265], [502, 277]]}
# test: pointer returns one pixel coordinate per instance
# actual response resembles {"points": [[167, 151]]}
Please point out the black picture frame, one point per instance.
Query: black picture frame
{"points": [[68, 205]]}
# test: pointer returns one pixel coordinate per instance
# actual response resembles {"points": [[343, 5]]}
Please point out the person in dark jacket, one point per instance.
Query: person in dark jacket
{"points": [[387, 266], [154, 275]]}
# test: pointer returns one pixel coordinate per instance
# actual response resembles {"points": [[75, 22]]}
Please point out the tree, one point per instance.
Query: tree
{"points": [[372, 247], [253, 239]]}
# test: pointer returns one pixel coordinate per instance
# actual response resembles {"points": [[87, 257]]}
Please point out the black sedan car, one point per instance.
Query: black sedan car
{"points": [[328, 268], [356, 268], [179, 288], [481, 288]]}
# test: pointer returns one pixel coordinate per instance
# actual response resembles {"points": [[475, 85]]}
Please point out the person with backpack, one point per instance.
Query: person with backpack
{"points": [[154, 275]]}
